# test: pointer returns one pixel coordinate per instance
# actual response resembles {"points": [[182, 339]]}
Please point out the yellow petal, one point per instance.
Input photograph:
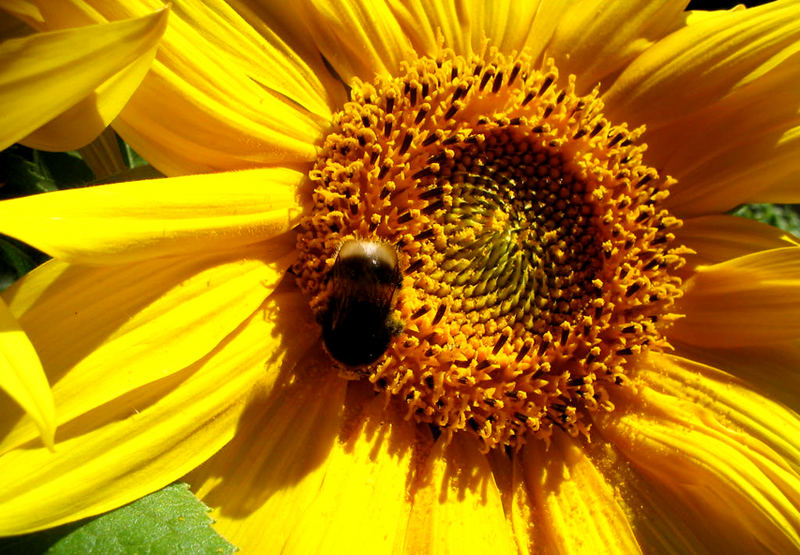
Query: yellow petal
{"points": [[251, 102], [22, 8], [769, 369], [10, 26], [260, 53], [22, 376], [286, 439], [657, 518], [596, 38], [47, 73], [315, 471], [761, 169], [240, 100], [507, 24], [729, 400], [80, 125], [125, 222], [750, 300], [421, 20], [703, 62], [367, 473], [465, 25], [143, 440], [102, 332], [743, 491], [783, 190], [358, 38], [721, 237], [578, 508], [521, 512], [457, 508], [283, 25], [548, 15], [722, 159]]}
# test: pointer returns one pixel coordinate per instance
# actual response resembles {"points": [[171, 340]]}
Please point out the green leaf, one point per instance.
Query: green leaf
{"points": [[65, 169], [16, 260], [168, 521], [783, 216], [21, 174], [24, 171]]}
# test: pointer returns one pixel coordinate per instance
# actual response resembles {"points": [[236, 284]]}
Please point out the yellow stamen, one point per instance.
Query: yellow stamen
{"points": [[537, 261]]}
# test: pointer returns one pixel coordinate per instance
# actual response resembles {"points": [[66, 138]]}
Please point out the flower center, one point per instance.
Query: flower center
{"points": [[535, 259]]}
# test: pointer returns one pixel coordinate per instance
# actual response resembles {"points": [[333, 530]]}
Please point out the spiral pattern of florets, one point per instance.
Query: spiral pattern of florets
{"points": [[537, 260]]}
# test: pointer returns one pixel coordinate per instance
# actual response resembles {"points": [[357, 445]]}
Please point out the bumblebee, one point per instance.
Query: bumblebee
{"points": [[357, 323]]}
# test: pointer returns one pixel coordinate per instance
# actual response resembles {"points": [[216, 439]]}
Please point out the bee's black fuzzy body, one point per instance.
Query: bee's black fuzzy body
{"points": [[357, 326]]}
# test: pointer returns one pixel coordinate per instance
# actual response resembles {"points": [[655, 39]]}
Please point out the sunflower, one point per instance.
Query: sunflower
{"points": [[583, 352]]}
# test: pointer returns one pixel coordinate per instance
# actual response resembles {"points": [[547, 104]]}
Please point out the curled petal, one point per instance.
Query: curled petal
{"points": [[84, 75], [144, 440], [103, 332]]}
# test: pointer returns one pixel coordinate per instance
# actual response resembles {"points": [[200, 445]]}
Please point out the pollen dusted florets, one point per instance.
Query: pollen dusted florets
{"points": [[537, 261]]}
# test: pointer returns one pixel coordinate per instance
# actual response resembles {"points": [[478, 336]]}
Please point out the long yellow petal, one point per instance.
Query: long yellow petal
{"points": [[103, 332], [358, 38], [259, 52], [316, 470], [125, 222], [729, 400], [458, 508], [22, 8], [780, 191], [47, 73], [465, 25], [750, 300], [241, 100], [144, 440], [521, 513], [78, 126], [578, 508], [421, 21], [596, 38], [367, 473], [22, 376], [761, 168], [282, 26], [657, 518], [701, 63], [285, 439], [722, 159], [684, 442], [768, 369], [721, 237]]}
